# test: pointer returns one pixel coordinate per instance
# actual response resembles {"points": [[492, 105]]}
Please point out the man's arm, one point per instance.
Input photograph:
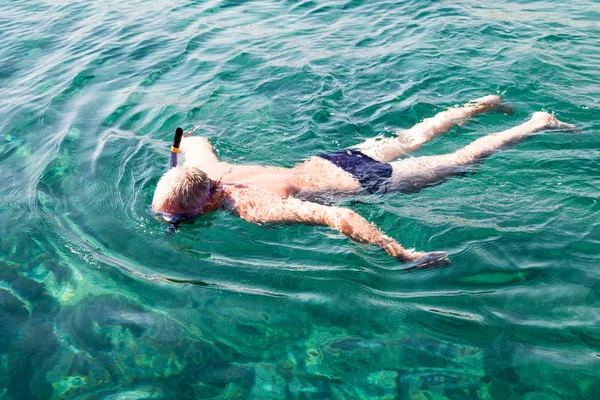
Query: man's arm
{"points": [[198, 151], [256, 206]]}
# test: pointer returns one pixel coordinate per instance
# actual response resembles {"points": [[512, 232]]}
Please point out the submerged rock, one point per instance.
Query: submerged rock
{"points": [[253, 333], [27, 341], [116, 343], [13, 315]]}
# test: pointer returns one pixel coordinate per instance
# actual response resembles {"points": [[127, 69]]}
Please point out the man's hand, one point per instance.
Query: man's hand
{"points": [[432, 259], [190, 131], [258, 205]]}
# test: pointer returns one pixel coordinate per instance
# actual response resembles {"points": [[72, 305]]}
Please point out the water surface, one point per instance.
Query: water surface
{"points": [[96, 302]]}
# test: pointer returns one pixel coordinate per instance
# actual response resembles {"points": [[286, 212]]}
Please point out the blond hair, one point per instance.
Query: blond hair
{"points": [[181, 190]]}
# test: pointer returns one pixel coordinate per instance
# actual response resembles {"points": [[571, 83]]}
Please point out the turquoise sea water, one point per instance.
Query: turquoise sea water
{"points": [[96, 302]]}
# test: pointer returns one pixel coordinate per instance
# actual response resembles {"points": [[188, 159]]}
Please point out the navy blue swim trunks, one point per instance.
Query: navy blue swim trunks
{"points": [[372, 174]]}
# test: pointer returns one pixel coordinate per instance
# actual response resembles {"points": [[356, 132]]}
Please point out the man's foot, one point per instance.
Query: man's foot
{"points": [[544, 120], [491, 100], [471, 109]]}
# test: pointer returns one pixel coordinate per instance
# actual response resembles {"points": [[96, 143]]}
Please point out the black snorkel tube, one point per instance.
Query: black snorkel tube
{"points": [[175, 147], [174, 221]]}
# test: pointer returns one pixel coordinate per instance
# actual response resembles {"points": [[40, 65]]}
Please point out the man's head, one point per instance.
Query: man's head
{"points": [[182, 190]]}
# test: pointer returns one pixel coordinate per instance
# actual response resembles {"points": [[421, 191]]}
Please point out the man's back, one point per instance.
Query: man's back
{"points": [[314, 176]]}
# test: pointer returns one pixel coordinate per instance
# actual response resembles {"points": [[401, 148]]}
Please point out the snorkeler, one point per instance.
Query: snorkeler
{"points": [[203, 183]]}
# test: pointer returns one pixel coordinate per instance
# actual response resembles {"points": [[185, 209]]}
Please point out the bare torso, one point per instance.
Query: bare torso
{"points": [[310, 178]]}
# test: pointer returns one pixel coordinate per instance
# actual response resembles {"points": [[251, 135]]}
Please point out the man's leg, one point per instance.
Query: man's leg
{"points": [[413, 173], [406, 141]]}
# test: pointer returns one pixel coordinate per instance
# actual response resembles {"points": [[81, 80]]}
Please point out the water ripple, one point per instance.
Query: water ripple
{"points": [[88, 277]]}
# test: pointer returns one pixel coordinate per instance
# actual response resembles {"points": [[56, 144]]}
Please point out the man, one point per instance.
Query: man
{"points": [[258, 194]]}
